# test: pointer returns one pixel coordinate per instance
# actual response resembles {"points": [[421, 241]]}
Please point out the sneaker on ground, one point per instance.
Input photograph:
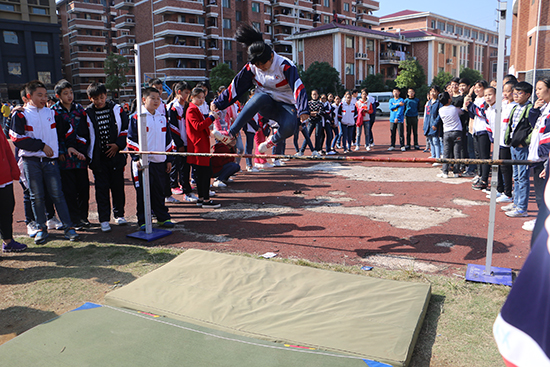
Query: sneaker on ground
{"points": [[346, 151], [368, 148], [356, 148], [436, 164], [105, 227], [13, 246], [425, 150], [218, 183], [417, 147], [299, 154], [171, 200], [476, 178], [315, 154], [391, 148], [224, 137], [407, 147], [54, 223], [508, 207], [517, 213], [489, 194], [190, 198], [200, 202], [177, 191], [71, 235], [211, 204], [212, 193], [166, 224], [403, 149], [32, 229], [141, 227], [505, 199], [121, 221], [41, 237], [468, 174], [268, 144], [479, 185], [332, 152], [529, 225], [259, 166], [253, 169], [443, 175], [278, 163], [268, 165]]}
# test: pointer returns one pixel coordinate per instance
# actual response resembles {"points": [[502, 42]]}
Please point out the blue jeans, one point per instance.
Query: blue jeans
{"points": [[40, 175], [249, 147], [347, 133], [306, 132], [239, 147], [436, 146], [521, 178], [337, 135], [366, 128], [228, 170], [265, 105]]}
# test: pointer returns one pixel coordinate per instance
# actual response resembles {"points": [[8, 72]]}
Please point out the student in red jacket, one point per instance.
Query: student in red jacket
{"points": [[198, 141], [9, 172]]}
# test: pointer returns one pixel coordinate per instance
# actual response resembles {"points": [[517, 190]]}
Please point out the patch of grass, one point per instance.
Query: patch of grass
{"points": [[52, 279]]}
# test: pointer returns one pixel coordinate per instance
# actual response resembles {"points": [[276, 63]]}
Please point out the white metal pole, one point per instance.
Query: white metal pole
{"points": [[142, 128], [536, 50], [496, 146]]}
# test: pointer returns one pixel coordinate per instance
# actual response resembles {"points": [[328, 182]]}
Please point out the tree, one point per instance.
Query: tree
{"points": [[374, 83], [115, 68], [221, 75], [471, 74], [411, 74], [442, 79], [323, 77]]}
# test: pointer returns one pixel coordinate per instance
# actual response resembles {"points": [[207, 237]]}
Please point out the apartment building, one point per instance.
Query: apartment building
{"points": [[30, 45], [530, 46], [444, 44]]}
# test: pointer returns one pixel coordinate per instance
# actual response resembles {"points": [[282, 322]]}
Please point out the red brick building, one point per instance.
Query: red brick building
{"points": [[530, 39]]}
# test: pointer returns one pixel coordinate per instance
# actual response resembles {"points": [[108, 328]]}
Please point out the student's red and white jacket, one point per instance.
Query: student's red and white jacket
{"points": [[159, 138], [347, 113], [176, 120], [540, 137], [281, 81], [35, 127], [505, 115], [364, 109]]}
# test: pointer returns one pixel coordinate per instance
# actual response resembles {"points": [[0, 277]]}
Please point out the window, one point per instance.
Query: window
{"points": [[39, 11], [300, 45], [450, 28], [346, 6], [227, 44], [226, 3], [454, 51], [200, 20], [6, 7], [494, 68], [267, 9], [10, 37], [326, 19], [370, 69], [227, 23], [370, 45], [459, 31], [474, 34], [239, 57], [441, 26], [41, 47], [530, 38], [45, 77], [350, 42], [202, 64], [466, 33], [433, 24], [238, 15], [230, 64], [256, 7], [481, 37], [267, 29], [326, 3], [350, 69], [14, 68], [441, 48], [181, 19], [440, 70]]}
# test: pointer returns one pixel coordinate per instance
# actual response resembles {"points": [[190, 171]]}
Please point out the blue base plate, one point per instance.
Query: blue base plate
{"points": [[476, 273], [155, 235]]}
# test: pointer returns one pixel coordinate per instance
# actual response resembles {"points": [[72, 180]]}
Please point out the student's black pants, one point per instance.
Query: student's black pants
{"points": [[157, 185], [482, 146], [76, 188], [412, 127], [505, 172], [6, 214], [181, 174], [203, 174], [397, 126], [109, 179]]}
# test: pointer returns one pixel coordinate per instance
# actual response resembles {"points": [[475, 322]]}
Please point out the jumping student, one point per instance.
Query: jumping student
{"points": [[34, 132], [280, 94], [159, 139], [108, 127]]}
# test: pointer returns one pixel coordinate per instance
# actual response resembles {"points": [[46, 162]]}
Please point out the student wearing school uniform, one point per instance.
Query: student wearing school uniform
{"points": [[347, 115], [411, 117], [363, 108]]}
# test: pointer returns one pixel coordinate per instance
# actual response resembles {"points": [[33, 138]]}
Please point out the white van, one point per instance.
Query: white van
{"points": [[383, 99]]}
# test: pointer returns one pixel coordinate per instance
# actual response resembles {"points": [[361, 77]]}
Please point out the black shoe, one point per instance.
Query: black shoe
{"points": [[211, 204], [200, 202], [479, 185]]}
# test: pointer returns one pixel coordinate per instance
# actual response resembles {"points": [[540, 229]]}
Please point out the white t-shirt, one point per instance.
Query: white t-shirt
{"points": [[450, 115]]}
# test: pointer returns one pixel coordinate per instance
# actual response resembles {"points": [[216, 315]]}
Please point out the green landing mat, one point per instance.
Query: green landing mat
{"points": [[355, 315], [95, 335]]}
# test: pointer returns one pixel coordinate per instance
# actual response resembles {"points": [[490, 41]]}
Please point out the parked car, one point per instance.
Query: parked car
{"points": [[383, 99]]}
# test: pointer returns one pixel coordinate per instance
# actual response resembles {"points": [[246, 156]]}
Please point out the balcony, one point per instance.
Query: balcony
{"points": [[367, 19], [124, 4], [175, 7], [393, 57], [125, 21], [86, 40], [89, 72], [79, 23], [170, 29], [88, 55], [78, 7], [179, 52], [129, 38], [367, 4]]}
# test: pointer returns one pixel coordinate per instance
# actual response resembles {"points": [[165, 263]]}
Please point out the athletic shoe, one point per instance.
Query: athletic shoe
{"points": [[177, 191], [166, 224], [190, 198], [425, 150], [368, 148], [391, 148], [259, 166], [13, 246], [346, 151], [41, 237], [171, 200], [338, 146], [212, 193], [54, 223], [479, 185], [403, 149], [315, 154], [278, 163], [407, 147], [224, 137], [436, 164], [200, 202], [71, 235], [105, 227], [121, 221], [332, 152], [141, 227], [32, 229], [517, 213], [416, 147], [229, 180], [505, 199], [529, 225], [218, 183], [268, 144], [254, 169], [299, 154], [443, 175], [469, 174], [509, 207], [211, 205], [476, 178], [356, 148], [489, 195]]}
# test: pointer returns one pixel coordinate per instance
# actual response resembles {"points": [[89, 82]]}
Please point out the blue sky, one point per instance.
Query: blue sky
{"points": [[481, 13]]}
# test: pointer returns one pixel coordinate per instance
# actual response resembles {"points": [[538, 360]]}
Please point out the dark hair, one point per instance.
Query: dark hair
{"points": [[355, 91], [258, 51], [511, 83], [436, 88], [32, 86], [194, 92], [52, 98], [482, 82], [95, 90], [545, 80], [177, 87], [221, 88], [411, 88], [365, 90], [493, 88], [154, 81], [23, 93], [510, 77], [62, 84], [444, 98], [203, 85], [146, 92], [397, 89], [464, 81], [455, 80], [524, 87]]}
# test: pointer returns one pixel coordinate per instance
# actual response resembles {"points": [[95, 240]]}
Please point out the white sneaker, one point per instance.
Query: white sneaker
{"points": [[268, 165], [190, 198], [54, 223], [32, 229], [368, 148], [332, 152], [403, 149], [120, 221], [442, 175], [391, 148], [218, 183], [476, 177], [356, 148], [229, 180], [105, 227], [299, 154], [259, 166], [529, 225], [489, 195], [278, 163], [252, 169], [212, 193], [505, 199], [268, 144], [315, 154], [508, 207], [171, 200], [436, 164]]}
